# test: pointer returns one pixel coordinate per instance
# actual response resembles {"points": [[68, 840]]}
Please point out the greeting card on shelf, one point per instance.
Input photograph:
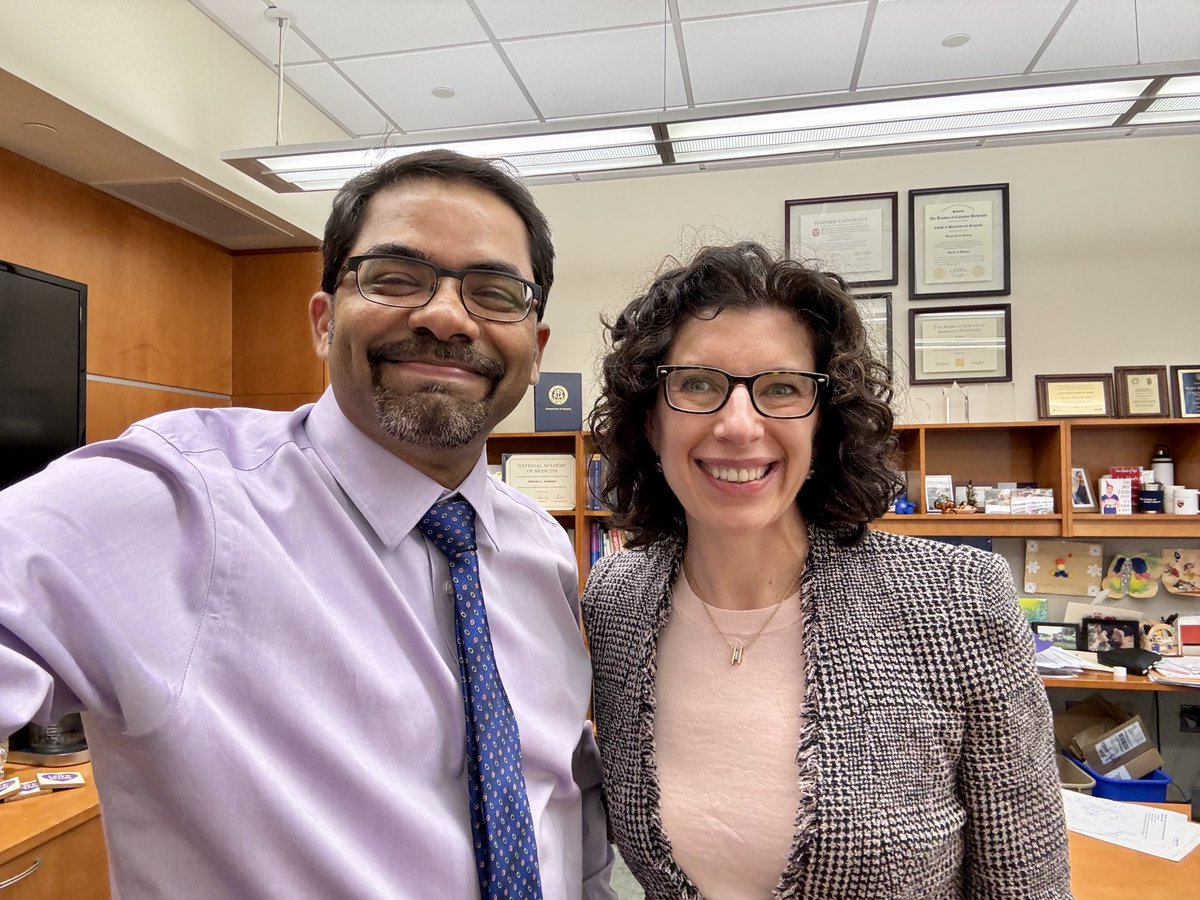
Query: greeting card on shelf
{"points": [[1116, 496]]}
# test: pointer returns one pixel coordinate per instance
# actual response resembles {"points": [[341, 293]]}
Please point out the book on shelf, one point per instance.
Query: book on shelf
{"points": [[595, 479], [549, 478], [605, 541]]}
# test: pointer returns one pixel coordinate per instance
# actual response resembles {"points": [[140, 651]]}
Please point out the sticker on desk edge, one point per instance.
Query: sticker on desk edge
{"points": [[10, 786], [58, 781], [27, 789]]}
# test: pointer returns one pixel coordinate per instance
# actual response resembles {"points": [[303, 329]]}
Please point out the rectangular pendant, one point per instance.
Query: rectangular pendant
{"points": [[736, 659]]}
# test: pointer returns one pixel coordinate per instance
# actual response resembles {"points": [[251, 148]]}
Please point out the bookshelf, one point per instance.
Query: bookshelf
{"points": [[1041, 451]]}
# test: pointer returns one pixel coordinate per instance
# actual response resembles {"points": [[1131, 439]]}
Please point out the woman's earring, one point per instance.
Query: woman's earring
{"points": [[658, 465]]}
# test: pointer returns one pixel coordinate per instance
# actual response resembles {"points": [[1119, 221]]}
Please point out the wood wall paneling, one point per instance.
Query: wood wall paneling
{"points": [[159, 297], [111, 408], [273, 356]]}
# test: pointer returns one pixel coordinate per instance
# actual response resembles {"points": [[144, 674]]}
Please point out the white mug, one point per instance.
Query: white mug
{"points": [[1185, 501]]}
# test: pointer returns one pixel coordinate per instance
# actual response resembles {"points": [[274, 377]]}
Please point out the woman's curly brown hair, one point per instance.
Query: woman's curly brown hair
{"points": [[854, 478]]}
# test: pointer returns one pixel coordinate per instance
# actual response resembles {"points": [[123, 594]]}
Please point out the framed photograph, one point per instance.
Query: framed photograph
{"points": [[958, 242], [1082, 498], [876, 313], [1074, 396], [959, 343], [938, 489], [1110, 634], [1065, 635], [1185, 391], [854, 236], [1142, 391]]}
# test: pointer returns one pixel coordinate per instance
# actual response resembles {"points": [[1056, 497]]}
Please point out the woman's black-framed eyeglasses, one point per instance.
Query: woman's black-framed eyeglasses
{"points": [[409, 283], [776, 393]]}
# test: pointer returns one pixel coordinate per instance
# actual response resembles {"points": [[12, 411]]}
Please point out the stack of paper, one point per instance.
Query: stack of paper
{"points": [[1053, 660], [1159, 832], [1176, 670]]}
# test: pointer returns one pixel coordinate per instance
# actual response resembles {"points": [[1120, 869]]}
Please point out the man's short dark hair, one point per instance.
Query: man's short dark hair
{"points": [[346, 215]]}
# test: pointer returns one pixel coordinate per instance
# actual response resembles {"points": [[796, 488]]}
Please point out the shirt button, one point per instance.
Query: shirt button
{"points": [[448, 588]]}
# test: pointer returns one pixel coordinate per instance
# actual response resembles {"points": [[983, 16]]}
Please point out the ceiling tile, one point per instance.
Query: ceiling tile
{"points": [[329, 90], [526, 18], [247, 22], [696, 9], [596, 86], [905, 46], [1169, 30], [800, 51], [365, 27], [485, 93], [1096, 33]]}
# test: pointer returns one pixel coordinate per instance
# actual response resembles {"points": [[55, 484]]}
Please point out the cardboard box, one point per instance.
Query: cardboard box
{"points": [[1109, 739]]}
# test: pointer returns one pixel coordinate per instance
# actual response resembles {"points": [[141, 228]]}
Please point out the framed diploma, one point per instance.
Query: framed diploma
{"points": [[1185, 391], [1074, 396], [876, 312], [1142, 391], [958, 242], [854, 236], [959, 343]]}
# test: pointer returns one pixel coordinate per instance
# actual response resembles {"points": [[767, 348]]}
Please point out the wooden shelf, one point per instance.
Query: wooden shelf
{"points": [[1156, 525], [1105, 681], [977, 525]]}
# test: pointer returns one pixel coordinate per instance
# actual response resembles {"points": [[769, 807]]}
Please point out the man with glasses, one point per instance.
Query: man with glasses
{"points": [[323, 653]]}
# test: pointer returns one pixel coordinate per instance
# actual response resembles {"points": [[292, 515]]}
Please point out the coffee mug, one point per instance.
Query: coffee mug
{"points": [[1186, 501]]}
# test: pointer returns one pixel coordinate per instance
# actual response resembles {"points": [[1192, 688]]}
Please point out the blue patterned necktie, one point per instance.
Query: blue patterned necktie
{"points": [[505, 846]]}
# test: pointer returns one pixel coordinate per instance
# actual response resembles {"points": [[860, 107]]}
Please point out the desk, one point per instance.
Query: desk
{"points": [[1104, 681], [63, 832], [1103, 871]]}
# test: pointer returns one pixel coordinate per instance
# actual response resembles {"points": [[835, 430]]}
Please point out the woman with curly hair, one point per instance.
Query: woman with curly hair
{"points": [[789, 703]]}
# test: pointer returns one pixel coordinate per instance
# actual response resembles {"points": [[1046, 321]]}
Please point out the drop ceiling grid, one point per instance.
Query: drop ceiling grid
{"points": [[602, 72], [326, 87], [365, 27], [906, 40], [527, 18]]}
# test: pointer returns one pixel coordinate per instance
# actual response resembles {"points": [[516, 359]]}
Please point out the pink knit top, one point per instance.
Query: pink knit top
{"points": [[726, 741]]}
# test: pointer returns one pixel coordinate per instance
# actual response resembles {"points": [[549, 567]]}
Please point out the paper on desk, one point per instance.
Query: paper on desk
{"points": [[1159, 832]]}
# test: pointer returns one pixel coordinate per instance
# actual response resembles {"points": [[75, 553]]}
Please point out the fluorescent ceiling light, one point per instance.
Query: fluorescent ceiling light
{"points": [[1188, 84]]}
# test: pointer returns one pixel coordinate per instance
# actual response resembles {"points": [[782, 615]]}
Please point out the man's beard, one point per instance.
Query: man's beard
{"points": [[432, 416]]}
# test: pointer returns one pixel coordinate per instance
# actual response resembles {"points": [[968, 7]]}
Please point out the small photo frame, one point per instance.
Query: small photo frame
{"points": [[1142, 391], [876, 313], [854, 236], [1064, 635], [938, 489], [1083, 498], [1110, 634], [959, 343], [1185, 391], [958, 242], [1074, 396]]}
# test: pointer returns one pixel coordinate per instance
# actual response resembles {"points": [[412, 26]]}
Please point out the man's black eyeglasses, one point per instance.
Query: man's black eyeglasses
{"points": [[409, 283], [777, 394]]}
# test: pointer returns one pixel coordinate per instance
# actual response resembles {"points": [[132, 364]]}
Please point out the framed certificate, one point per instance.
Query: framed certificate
{"points": [[854, 236], [1142, 391], [876, 313], [959, 343], [1074, 396], [1185, 391], [958, 242]]}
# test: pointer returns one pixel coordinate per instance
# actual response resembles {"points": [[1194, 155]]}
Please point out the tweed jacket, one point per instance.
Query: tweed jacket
{"points": [[926, 759]]}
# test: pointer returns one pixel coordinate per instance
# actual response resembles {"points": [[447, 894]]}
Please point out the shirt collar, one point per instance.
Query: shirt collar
{"points": [[390, 494]]}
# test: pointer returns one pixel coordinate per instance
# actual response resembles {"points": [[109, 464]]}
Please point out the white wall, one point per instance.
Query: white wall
{"points": [[1105, 250]]}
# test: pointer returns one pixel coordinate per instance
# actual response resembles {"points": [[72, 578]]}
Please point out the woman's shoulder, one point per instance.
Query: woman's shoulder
{"points": [[622, 581]]}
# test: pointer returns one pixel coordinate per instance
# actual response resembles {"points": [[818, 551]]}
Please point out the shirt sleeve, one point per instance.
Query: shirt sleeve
{"points": [[1016, 829], [597, 852], [88, 548]]}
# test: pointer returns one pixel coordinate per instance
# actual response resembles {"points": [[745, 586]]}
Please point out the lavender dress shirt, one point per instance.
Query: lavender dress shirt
{"points": [[263, 641]]}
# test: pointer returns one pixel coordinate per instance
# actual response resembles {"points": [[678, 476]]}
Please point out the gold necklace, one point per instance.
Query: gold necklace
{"points": [[738, 649]]}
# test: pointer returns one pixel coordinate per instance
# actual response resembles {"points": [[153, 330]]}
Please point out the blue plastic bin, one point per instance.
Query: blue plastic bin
{"points": [[1150, 788]]}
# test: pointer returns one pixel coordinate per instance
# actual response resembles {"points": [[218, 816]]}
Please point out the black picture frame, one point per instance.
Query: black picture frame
{"points": [[1185, 391], [958, 343], [876, 313], [958, 242], [1093, 628], [1142, 391], [840, 254], [1084, 396], [1065, 635]]}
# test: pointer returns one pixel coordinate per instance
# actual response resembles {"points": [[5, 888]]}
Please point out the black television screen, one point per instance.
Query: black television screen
{"points": [[43, 328]]}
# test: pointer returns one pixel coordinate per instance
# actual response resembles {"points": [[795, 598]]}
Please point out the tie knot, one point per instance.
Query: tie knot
{"points": [[450, 524]]}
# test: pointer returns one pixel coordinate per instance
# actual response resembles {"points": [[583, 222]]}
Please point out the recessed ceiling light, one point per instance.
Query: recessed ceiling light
{"points": [[955, 40], [443, 93], [40, 127]]}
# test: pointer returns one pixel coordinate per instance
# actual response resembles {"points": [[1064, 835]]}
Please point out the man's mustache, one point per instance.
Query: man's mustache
{"points": [[431, 348]]}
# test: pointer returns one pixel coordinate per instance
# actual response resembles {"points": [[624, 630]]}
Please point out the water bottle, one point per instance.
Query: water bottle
{"points": [[1162, 465]]}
